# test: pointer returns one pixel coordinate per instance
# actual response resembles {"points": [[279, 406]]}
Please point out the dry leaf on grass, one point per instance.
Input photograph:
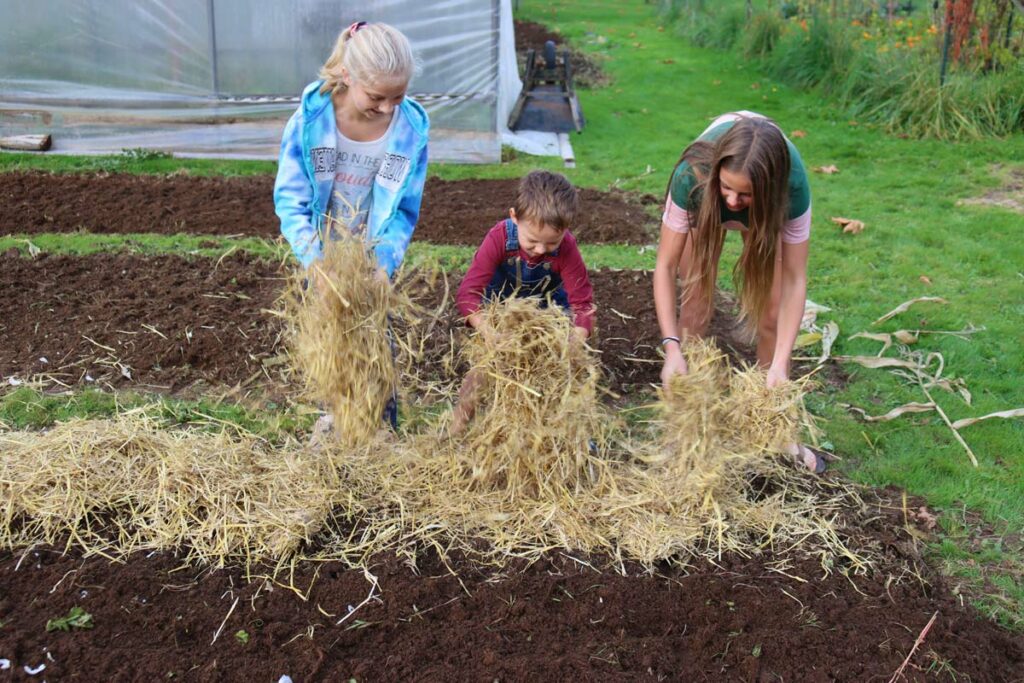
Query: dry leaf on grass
{"points": [[828, 337], [850, 225], [925, 518], [925, 279], [895, 412], [907, 304], [798, 134], [905, 336], [883, 337], [968, 421], [827, 170]]}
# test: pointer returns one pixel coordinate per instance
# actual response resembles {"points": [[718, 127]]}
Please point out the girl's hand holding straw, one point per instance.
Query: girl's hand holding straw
{"points": [[675, 363]]}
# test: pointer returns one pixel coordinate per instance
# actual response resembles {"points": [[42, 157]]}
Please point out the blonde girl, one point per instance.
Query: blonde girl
{"points": [[354, 156]]}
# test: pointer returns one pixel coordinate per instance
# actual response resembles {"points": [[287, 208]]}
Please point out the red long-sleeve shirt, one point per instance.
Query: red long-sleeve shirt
{"points": [[567, 262]]}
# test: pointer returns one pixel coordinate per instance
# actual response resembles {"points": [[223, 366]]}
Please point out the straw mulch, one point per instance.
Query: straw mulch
{"points": [[113, 487], [544, 464], [339, 338]]}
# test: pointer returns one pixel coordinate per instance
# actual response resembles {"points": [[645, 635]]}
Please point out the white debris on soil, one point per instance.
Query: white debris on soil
{"points": [[284, 679], [33, 671], [5, 664]]}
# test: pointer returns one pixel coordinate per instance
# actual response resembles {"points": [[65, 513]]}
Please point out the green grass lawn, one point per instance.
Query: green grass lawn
{"points": [[918, 241]]}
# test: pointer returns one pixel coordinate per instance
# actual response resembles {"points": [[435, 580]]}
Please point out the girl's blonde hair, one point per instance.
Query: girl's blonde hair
{"points": [[370, 53], [756, 148]]}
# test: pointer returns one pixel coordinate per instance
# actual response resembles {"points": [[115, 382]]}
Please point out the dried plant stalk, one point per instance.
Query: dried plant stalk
{"points": [[339, 337]]}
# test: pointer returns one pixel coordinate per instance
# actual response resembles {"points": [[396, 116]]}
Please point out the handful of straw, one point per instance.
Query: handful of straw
{"points": [[716, 419], [339, 337], [540, 425]]}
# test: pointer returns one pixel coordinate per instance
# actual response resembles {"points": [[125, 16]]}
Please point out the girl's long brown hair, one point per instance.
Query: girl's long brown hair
{"points": [[756, 148]]}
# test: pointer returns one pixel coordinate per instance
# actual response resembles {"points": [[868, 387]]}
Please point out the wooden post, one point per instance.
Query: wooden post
{"points": [[33, 143]]}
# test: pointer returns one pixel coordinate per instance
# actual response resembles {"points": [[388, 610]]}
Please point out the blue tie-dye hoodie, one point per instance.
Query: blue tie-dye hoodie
{"points": [[305, 179]]}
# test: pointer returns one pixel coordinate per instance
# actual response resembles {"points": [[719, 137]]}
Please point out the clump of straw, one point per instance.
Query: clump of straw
{"points": [[339, 336], [117, 486], [715, 419], [539, 467], [719, 470], [544, 465], [540, 423]]}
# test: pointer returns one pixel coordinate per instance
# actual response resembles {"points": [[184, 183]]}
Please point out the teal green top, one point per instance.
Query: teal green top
{"points": [[684, 179]]}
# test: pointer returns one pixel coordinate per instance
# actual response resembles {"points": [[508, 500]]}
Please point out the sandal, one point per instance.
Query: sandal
{"points": [[800, 458]]}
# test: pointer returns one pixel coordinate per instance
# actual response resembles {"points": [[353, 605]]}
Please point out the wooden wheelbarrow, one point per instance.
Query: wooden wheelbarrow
{"points": [[548, 100]]}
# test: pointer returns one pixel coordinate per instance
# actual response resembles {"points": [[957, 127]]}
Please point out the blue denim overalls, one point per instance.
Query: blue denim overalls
{"points": [[515, 277]]}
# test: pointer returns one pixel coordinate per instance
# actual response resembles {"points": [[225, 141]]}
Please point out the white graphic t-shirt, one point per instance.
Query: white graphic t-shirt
{"points": [[355, 167]]}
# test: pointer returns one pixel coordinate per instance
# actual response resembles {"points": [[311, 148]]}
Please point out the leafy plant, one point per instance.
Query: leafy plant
{"points": [[143, 154], [242, 636], [76, 618]]}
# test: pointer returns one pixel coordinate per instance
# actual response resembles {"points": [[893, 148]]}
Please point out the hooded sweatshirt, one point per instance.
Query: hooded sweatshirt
{"points": [[305, 178]]}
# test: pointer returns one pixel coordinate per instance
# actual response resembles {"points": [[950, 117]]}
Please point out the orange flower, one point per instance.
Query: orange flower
{"points": [[803, 24], [932, 30], [856, 22]]}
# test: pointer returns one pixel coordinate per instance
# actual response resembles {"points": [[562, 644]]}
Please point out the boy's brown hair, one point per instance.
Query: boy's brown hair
{"points": [[548, 199]]}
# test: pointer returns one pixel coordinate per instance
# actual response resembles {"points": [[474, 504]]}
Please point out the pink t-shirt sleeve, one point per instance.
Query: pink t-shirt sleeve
{"points": [[798, 229], [481, 271], [576, 282], [675, 218]]}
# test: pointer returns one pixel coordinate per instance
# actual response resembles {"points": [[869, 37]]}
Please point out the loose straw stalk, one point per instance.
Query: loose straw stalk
{"points": [[339, 337]]}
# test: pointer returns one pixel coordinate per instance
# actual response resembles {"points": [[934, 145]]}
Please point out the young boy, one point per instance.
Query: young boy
{"points": [[530, 253]]}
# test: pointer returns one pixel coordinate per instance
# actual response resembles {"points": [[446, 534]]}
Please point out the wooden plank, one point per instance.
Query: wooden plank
{"points": [[565, 149], [33, 143]]}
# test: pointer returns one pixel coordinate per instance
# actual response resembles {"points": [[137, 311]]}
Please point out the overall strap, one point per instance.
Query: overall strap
{"points": [[511, 237]]}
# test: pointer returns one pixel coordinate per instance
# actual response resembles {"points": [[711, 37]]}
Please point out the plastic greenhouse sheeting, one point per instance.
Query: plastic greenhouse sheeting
{"points": [[221, 77]]}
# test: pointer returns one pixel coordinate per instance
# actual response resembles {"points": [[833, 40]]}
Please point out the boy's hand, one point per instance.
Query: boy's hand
{"points": [[479, 323]]}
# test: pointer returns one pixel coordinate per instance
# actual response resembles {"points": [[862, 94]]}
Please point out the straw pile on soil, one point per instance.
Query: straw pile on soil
{"points": [[714, 480], [536, 447], [339, 336], [545, 465], [118, 486], [542, 425]]}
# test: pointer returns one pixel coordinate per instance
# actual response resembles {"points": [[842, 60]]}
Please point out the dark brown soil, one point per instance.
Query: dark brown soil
{"points": [[172, 322], [530, 34], [454, 212], [462, 211], [553, 620], [156, 322]]}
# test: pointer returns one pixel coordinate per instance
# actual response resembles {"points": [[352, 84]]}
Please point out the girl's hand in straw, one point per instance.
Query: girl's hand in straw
{"points": [[776, 376], [316, 278], [491, 336], [675, 363]]}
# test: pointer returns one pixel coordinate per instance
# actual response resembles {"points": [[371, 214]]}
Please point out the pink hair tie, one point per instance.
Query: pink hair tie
{"points": [[355, 27]]}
